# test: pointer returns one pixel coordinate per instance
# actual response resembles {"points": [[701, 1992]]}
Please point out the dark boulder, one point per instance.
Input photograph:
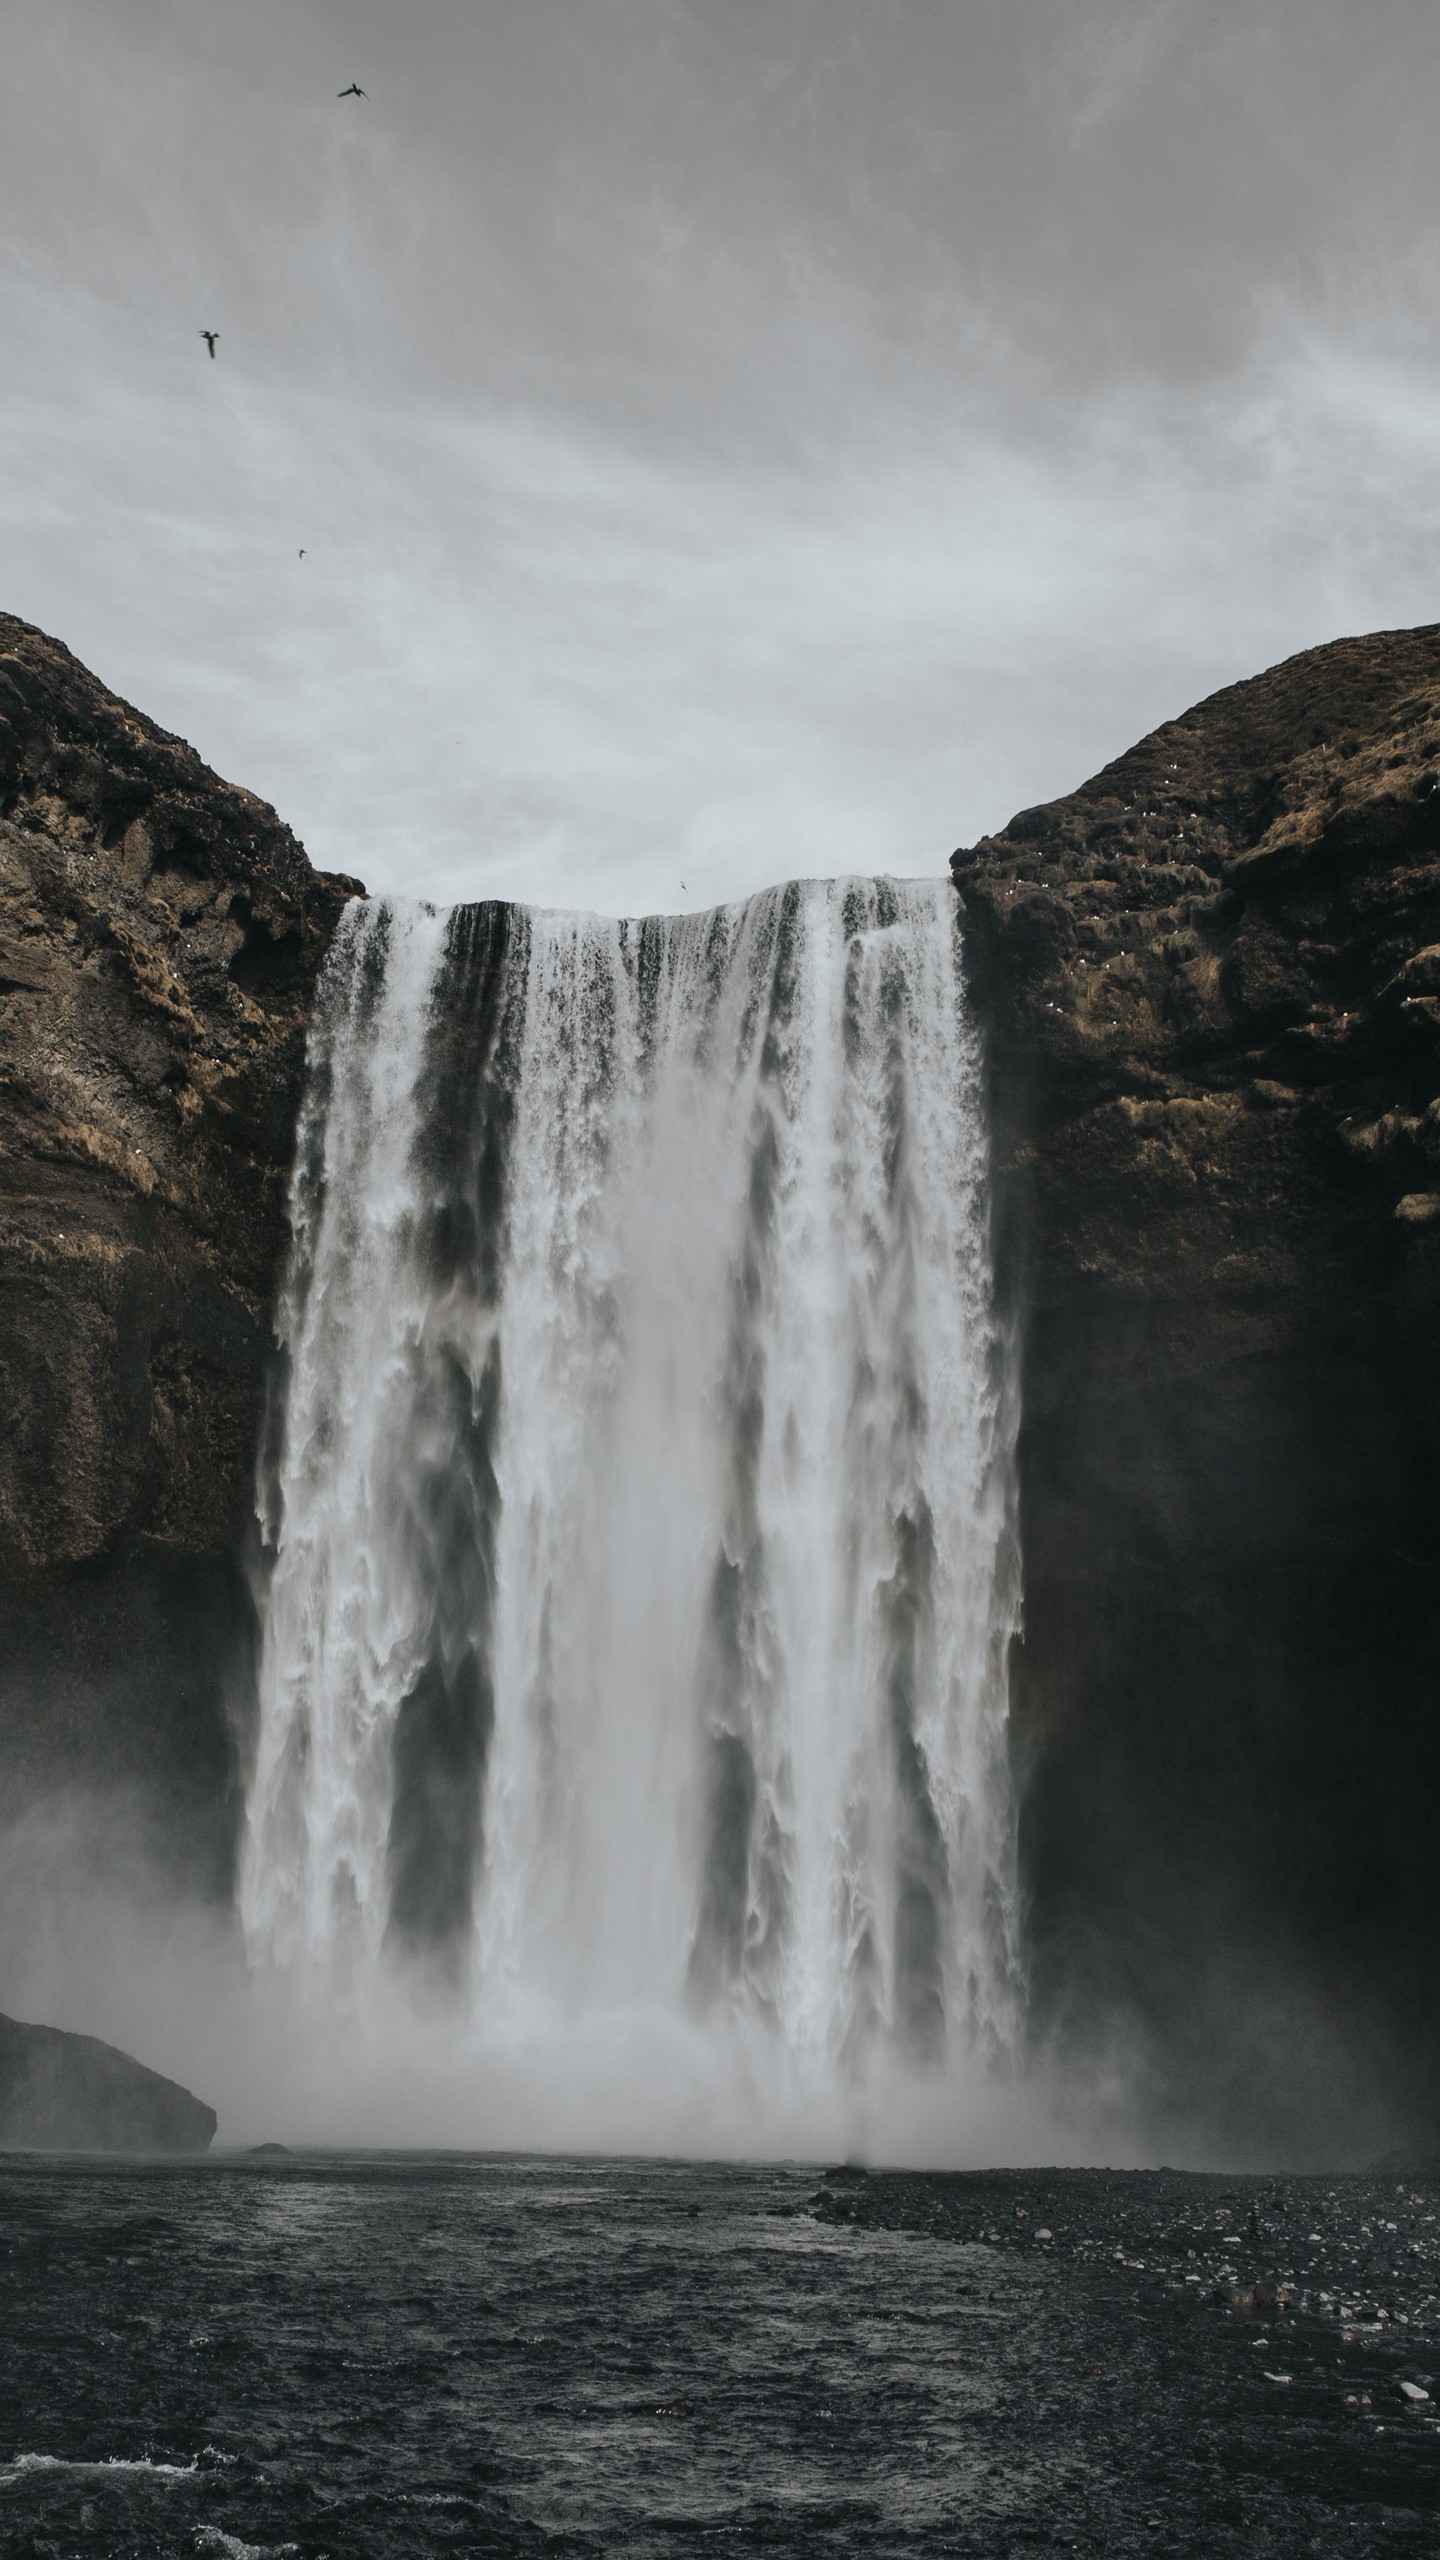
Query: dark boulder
{"points": [[61, 2092]]}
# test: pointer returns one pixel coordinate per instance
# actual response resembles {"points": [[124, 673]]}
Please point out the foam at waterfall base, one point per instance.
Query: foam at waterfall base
{"points": [[618, 2084], [95, 1943], [94, 1939]]}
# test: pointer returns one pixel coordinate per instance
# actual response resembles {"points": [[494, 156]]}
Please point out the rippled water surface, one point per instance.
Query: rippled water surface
{"points": [[371, 2355]]}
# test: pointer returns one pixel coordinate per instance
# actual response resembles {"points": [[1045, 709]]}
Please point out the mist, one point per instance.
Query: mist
{"points": [[95, 1939]]}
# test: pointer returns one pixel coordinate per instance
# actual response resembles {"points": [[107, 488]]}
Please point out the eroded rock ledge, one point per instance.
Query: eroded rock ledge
{"points": [[160, 935], [1211, 981]]}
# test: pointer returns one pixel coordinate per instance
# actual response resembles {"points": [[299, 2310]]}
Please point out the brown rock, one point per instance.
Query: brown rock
{"points": [[160, 935], [1215, 1057]]}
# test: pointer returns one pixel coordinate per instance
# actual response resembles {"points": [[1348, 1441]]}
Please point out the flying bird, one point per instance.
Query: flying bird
{"points": [[302, 550], [210, 336], [354, 91]]}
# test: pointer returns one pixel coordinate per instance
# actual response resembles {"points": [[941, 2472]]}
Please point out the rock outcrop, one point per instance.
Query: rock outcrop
{"points": [[160, 936], [1211, 984], [61, 2092]]}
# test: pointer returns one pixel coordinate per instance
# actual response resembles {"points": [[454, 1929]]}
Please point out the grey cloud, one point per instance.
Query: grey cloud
{"points": [[726, 440]]}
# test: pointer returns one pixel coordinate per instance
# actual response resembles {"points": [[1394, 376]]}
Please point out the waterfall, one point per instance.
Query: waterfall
{"points": [[641, 1559]]}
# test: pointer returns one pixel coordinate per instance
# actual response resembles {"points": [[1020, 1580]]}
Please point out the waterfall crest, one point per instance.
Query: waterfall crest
{"points": [[640, 1525]]}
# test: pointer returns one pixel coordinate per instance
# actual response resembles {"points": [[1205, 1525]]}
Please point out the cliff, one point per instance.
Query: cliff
{"points": [[160, 936], [1210, 982], [1211, 985]]}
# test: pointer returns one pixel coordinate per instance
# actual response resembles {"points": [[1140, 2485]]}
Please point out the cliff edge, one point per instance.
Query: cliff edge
{"points": [[1211, 984], [160, 937]]}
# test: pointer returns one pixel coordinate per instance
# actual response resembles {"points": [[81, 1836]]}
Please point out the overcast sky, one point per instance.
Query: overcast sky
{"points": [[728, 438]]}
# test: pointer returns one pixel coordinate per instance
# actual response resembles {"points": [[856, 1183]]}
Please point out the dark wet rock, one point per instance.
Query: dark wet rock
{"points": [[160, 936], [61, 2092], [1212, 990]]}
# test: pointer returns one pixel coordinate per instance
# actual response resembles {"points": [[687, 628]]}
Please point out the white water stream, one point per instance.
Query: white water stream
{"points": [[642, 1560]]}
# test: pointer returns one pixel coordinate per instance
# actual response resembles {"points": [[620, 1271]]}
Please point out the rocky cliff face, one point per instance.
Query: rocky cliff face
{"points": [[160, 935], [1211, 979]]}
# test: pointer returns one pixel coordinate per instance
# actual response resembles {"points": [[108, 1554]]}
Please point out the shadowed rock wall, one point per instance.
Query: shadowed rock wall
{"points": [[1211, 979], [160, 936]]}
